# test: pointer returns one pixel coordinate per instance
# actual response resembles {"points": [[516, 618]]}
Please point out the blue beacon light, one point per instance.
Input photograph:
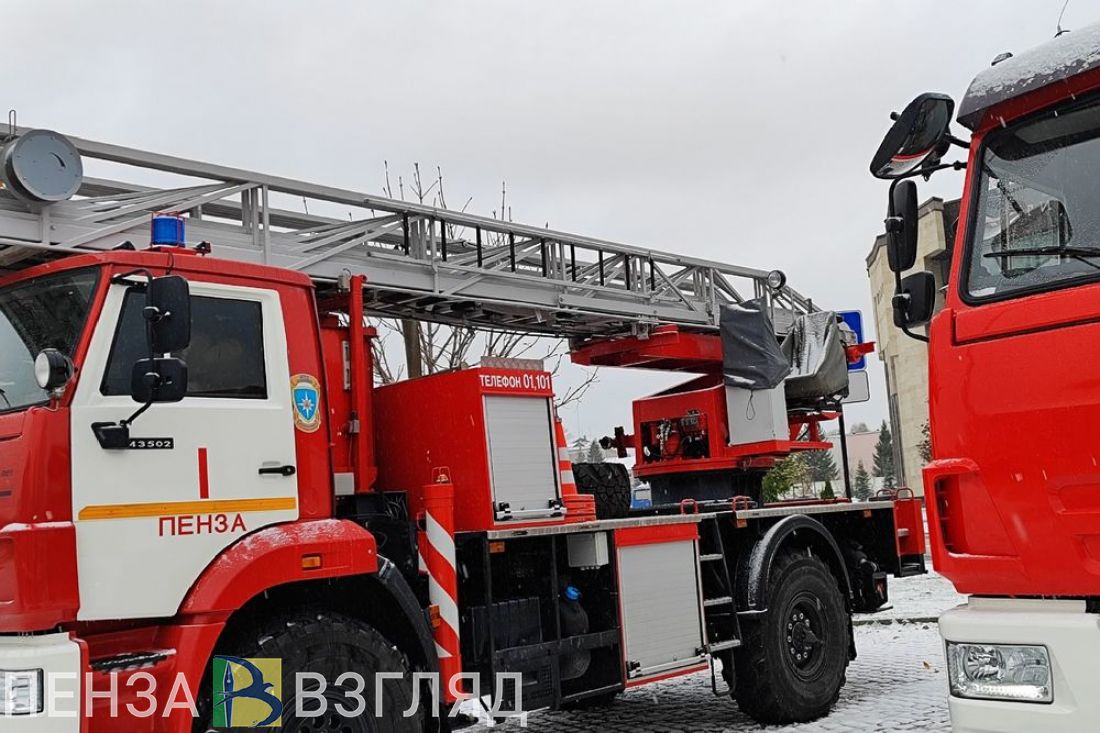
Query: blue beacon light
{"points": [[167, 231]]}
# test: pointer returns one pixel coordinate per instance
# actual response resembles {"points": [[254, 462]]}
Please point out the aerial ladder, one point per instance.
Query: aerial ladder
{"points": [[419, 261], [617, 304]]}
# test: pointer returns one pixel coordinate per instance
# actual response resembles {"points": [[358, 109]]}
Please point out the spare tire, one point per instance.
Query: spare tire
{"points": [[609, 483]]}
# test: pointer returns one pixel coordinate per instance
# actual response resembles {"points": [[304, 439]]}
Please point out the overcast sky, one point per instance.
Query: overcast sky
{"points": [[738, 131]]}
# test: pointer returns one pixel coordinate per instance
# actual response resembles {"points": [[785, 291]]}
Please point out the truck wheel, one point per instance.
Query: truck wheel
{"points": [[791, 665], [329, 645], [609, 483]]}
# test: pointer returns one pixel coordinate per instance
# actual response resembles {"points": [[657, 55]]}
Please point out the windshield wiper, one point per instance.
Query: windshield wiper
{"points": [[4, 396], [1067, 251], [1081, 254]]}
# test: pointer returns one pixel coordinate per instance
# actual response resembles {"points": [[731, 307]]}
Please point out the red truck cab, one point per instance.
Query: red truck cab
{"points": [[94, 538], [1012, 491]]}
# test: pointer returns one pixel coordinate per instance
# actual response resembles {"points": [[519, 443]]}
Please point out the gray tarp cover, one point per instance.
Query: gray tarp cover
{"points": [[815, 350], [751, 357]]}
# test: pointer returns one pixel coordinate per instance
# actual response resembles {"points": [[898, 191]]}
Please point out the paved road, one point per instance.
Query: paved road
{"points": [[896, 684]]}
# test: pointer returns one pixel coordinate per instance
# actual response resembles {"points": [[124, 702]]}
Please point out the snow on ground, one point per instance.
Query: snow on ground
{"points": [[915, 599], [896, 684]]}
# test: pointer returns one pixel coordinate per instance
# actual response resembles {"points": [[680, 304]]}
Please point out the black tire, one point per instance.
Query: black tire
{"points": [[609, 483], [781, 681], [330, 645]]}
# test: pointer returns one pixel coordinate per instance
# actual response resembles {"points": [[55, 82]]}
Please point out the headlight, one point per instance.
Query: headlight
{"points": [[21, 692], [1000, 672], [52, 369]]}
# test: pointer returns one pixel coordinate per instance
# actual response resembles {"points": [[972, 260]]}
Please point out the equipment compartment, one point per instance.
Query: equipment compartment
{"points": [[661, 599]]}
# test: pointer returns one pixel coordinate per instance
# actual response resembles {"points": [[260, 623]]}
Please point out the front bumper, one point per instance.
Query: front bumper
{"points": [[1072, 637], [61, 659]]}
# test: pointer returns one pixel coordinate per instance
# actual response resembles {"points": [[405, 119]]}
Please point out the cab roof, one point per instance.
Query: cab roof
{"points": [[1055, 61], [181, 261]]}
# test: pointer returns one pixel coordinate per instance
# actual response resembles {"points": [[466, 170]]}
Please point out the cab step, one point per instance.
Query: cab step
{"points": [[721, 646]]}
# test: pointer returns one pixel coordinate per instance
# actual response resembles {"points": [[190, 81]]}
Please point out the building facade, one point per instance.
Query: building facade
{"points": [[906, 359], [861, 449]]}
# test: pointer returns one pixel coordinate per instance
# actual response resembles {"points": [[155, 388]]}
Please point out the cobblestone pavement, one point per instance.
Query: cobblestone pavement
{"points": [[896, 684]]}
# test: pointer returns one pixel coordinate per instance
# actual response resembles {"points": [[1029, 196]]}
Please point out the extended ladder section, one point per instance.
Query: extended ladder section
{"points": [[420, 262]]}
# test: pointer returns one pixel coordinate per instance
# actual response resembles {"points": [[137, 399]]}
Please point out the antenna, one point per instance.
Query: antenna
{"points": [[1060, 16]]}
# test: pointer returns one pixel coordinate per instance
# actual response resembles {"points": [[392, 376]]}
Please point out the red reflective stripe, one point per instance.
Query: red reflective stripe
{"points": [[656, 534], [447, 637], [443, 590], [440, 569], [204, 475], [564, 464], [666, 676]]}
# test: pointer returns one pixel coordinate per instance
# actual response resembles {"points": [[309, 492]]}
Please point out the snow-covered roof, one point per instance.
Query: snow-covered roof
{"points": [[1069, 54]]}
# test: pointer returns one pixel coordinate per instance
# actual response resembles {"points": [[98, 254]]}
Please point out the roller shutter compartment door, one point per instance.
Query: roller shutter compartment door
{"points": [[522, 453], [662, 616]]}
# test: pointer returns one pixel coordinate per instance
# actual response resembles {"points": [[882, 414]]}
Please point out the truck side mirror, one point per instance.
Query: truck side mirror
{"points": [[915, 137], [901, 226], [157, 379], [168, 312], [915, 300], [161, 379]]}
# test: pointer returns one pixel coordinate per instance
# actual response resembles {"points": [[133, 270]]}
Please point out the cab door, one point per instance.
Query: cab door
{"points": [[1015, 490], [198, 474], [1017, 397]]}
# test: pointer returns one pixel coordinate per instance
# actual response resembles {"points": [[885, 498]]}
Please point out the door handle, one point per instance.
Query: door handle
{"points": [[278, 471]]}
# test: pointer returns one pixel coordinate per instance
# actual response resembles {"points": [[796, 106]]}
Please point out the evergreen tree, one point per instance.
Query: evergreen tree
{"points": [[862, 483], [595, 452], [777, 481], [822, 465], [884, 457], [827, 492], [579, 449]]}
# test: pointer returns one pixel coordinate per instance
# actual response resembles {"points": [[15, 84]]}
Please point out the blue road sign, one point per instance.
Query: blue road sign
{"points": [[854, 320]]}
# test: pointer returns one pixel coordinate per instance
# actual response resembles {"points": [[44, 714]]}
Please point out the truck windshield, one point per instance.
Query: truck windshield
{"points": [[1037, 219], [47, 312]]}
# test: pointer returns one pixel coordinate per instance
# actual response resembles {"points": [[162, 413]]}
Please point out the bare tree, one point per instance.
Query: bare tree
{"points": [[433, 347]]}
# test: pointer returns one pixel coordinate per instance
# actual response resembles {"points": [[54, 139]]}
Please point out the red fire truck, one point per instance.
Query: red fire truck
{"points": [[199, 477], [1013, 504]]}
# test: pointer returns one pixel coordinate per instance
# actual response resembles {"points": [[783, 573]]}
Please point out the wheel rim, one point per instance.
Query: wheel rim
{"points": [[332, 721], [804, 635]]}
